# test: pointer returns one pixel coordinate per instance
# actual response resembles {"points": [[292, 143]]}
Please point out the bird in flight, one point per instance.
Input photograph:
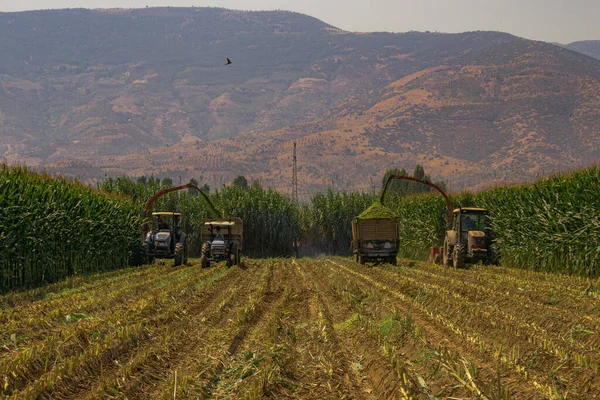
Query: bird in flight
{"points": [[570, 115], [228, 61]]}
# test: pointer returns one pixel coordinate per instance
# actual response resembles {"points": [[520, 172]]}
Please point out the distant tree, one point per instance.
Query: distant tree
{"points": [[241, 182], [419, 172], [205, 188], [192, 191], [396, 186], [168, 182], [142, 180]]}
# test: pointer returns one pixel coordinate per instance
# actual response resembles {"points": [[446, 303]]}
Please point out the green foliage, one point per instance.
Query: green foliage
{"points": [[326, 222], [241, 182], [552, 225], [271, 221], [52, 228]]}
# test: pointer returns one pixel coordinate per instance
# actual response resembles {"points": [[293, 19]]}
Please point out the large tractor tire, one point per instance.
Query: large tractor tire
{"points": [[179, 252], [205, 256], [447, 254], [458, 256]]}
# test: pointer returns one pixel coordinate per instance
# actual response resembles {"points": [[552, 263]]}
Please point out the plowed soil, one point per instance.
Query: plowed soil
{"points": [[325, 328]]}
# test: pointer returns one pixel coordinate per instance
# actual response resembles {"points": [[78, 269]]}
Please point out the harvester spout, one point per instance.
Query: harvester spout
{"points": [[211, 208], [433, 185]]}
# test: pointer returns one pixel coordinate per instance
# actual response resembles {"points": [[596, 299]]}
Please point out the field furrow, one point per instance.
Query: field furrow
{"points": [[303, 328]]}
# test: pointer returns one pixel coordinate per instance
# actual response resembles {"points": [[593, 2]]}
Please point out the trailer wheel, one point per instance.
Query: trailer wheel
{"points": [[392, 260], [362, 259]]}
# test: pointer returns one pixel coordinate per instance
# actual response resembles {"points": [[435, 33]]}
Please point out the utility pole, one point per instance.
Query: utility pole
{"points": [[295, 177], [295, 244]]}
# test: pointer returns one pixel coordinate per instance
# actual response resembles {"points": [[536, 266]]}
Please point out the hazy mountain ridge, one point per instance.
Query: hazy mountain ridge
{"points": [[588, 47], [108, 91]]}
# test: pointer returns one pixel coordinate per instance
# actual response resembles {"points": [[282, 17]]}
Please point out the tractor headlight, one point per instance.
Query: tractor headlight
{"points": [[387, 245]]}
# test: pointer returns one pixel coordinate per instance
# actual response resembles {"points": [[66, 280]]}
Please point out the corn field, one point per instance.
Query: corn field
{"points": [[53, 228]]}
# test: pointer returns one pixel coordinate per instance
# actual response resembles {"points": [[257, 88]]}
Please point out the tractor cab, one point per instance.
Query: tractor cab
{"points": [[166, 240], [470, 220]]}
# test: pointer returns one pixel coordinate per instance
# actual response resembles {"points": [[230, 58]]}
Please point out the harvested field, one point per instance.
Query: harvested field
{"points": [[305, 328]]}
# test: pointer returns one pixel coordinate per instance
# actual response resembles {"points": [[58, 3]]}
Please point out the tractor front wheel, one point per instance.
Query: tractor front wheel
{"points": [[205, 255], [179, 250], [459, 256]]}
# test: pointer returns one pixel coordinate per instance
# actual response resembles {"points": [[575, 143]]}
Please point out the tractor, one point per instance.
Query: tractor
{"points": [[375, 235], [472, 245], [167, 241], [222, 240], [469, 240]]}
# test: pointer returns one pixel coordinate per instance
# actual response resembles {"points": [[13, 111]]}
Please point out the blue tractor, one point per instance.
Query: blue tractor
{"points": [[167, 241]]}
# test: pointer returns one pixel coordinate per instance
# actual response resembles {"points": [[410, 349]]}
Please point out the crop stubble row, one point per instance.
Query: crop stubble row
{"points": [[308, 328]]}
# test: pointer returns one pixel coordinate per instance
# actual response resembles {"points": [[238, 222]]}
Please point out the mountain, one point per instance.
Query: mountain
{"points": [[587, 47], [108, 92]]}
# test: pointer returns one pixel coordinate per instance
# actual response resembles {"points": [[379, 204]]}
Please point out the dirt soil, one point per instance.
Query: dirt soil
{"points": [[324, 328]]}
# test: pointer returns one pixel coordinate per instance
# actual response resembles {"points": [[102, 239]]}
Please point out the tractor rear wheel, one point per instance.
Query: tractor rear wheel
{"points": [[459, 256], [179, 250]]}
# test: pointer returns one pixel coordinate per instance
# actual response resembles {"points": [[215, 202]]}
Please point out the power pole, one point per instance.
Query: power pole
{"points": [[295, 244], [295, 177]]}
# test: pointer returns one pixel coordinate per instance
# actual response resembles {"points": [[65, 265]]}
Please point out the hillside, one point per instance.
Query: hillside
{"points": [[146, 91], [588, 47]]}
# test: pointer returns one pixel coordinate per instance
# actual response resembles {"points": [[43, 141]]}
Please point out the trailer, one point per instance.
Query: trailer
{"points": [[375, 235]]}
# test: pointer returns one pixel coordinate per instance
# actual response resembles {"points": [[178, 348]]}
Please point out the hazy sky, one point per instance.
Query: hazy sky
{"points": [[550, 20]]}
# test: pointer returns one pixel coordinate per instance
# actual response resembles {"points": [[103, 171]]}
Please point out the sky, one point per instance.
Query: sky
{"points": [[548, 20]]}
